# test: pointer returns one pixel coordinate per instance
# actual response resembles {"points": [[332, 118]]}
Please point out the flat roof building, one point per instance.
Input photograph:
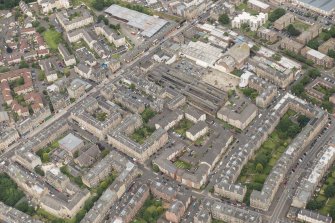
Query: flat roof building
{"points": [[259, 5], [227, 213], [284, 21], [71, 143], [317, 57], [202, 53], [149, 25], [240, 114], [326, 46], [319, 6], [253, 21]]}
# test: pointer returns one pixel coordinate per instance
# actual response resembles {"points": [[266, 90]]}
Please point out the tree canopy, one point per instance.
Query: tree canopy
{"points": [[330, 191], [224, 19], [276, 14], [314, 44], [292, 31], [259, 167], [9, 4]]}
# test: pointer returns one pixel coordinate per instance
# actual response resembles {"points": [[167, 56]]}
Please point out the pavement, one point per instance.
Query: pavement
{"points": [[280, 206], [285, 198]]}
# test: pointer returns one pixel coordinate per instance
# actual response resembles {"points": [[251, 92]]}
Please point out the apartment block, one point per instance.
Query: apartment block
{"points": [[259, 6], [68, 24], [317, 57], [267, 34], [284, 21], [291, 45], [309, 34]]}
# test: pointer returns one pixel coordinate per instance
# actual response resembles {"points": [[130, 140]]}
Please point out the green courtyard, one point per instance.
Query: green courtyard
{"points": [[52, 38], [183, 165], [147, 114], [255, 172], [11, 195], [151, 210], [324, 199], [301, 26], [44, 152], [250, 93], [183, 126], [141, 134]]}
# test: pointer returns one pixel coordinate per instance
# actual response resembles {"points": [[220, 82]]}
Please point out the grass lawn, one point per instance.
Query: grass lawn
{"points": [[151, 210], [183, 165], [52, 38], [300, 25], [141, 134], [267, 155], [244, 7], [79, 44], [183, 126]]}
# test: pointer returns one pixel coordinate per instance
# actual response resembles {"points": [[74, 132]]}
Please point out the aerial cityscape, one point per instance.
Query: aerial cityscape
{"points": [[168, 111]]}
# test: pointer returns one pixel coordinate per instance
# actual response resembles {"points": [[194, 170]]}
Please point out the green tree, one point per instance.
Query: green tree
{"points": [[40, 29], [314, 204], [292, 31], [10, 194], [332, 31], [313, 73], [147, 114], [326, 36], [26, 208], [98, 5], [100, 18], [35, 23], [224, 19], [39, 170], [260, 178], [255, 48], [23, 64], [259, 168], [314, 44], [262, 159], [328, 106], [45, 157], [298, 89], [104, 152], [276, 57], [132, 86], [330, 191], [155, 168], [276, 14], [331, 53]]}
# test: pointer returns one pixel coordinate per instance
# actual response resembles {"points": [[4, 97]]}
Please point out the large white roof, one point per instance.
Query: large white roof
{"points": [[149, 24]]}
